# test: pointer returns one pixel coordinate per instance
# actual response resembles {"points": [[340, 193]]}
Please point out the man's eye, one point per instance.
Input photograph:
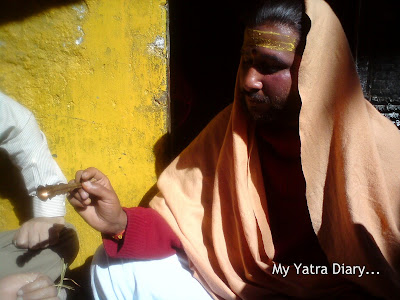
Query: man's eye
{"points": [[266, 69]]}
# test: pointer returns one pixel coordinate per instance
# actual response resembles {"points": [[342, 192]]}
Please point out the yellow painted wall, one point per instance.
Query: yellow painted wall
{"points": [[94, 73]]}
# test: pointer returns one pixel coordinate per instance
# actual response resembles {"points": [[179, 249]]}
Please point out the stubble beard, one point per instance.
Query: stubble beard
{"points": [[279, 113], [269, 116]]}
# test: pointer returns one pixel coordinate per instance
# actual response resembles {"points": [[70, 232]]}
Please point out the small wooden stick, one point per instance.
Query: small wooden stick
{"points": [[49, 191]]}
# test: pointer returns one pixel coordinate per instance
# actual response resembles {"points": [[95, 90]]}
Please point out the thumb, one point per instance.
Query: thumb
{"points": [[97, 190]]}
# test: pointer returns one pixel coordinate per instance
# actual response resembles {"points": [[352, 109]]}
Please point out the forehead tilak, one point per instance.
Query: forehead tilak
{"points": [[269, 39]]}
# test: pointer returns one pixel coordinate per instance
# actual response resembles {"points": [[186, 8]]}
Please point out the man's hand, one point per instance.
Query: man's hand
{"points": [[39, 232], [97, 202], [27, 286]]}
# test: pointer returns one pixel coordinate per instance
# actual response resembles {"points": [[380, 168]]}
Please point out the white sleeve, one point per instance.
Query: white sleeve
{"points": [[26, 145]]}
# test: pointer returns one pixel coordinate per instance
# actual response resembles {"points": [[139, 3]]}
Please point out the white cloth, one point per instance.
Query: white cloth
{"points": [[26, 145], [162, 279]]}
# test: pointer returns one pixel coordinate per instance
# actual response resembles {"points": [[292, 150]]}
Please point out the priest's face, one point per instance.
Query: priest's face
{"points": [[268, 75]]}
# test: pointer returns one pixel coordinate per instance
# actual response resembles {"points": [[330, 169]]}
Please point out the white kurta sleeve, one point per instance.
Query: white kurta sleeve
{"points": [[26, 145]]}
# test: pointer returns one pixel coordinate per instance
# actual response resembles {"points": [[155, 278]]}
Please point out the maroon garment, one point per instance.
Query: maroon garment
{"points": [[285, 188], [147, 236]]}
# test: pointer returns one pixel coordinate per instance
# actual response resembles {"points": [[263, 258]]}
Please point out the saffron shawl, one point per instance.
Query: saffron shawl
{"points": [[212, 195]]}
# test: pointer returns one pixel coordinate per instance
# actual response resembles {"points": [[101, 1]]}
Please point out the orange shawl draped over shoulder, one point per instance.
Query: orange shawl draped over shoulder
{"points": [[212, 195]]}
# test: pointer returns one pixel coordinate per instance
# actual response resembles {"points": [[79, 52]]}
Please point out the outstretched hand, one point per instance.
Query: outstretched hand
{"points": [[97, 202]]}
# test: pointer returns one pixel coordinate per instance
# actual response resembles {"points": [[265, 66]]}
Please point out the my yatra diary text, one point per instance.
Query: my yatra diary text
{"points": [[335, 269]]}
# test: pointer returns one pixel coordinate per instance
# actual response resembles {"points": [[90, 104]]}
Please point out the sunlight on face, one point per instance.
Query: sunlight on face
{"points": [[266, 75]]}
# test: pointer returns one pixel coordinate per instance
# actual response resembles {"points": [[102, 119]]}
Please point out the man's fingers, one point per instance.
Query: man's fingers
{"points": [[44, 238], [41, 288], [75, 194], [33, 239], [78, 176], [87, 202], [21, 238], [75, 202], [11, 284], [82, 194], [76, 199], [98, 190], [43, 293], [79, 194], [91, 172], [40, 281]]}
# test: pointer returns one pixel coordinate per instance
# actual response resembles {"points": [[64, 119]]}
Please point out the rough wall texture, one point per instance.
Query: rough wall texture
{"points": [[378, 58], [370, 27], [380, 77], [94, 73]]}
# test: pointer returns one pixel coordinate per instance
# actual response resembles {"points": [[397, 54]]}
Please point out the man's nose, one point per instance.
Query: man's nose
{"points": [[252, 80]]}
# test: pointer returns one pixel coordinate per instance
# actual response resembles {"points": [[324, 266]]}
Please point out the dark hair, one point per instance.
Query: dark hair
{"points": [[284, 12]]}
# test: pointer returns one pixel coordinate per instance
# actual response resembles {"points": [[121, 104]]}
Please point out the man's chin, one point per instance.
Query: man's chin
{"points": [[269, 115], [263, 118], [264, 115], [273, 119], [256, 114]]}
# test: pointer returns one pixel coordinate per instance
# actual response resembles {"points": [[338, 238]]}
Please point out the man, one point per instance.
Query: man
{"points": [[269, 201], [33, 253]]}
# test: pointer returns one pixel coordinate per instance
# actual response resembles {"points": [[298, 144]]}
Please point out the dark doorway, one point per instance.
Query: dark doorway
{"points": [[205, 39]]}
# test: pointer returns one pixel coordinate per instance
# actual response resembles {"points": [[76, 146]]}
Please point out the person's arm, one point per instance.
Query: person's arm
{"points": [[146, 235], [27, 148]]}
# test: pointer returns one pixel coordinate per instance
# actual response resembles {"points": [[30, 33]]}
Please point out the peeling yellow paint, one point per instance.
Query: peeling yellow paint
{"points": [[94, 73]]}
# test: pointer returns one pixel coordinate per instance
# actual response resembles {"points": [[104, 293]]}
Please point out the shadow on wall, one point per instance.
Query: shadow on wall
{"points": [[17, 10], [12, 187], [163, 157]]}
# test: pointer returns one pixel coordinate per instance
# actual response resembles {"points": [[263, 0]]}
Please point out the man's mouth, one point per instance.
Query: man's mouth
{"points": [[257, 100]]}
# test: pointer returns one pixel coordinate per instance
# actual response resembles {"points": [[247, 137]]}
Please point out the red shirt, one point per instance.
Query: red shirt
{"points": [[147, 236]]}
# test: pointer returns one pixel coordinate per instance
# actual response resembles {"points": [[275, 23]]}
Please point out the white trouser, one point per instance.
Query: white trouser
{"points": [[162, 279]]}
